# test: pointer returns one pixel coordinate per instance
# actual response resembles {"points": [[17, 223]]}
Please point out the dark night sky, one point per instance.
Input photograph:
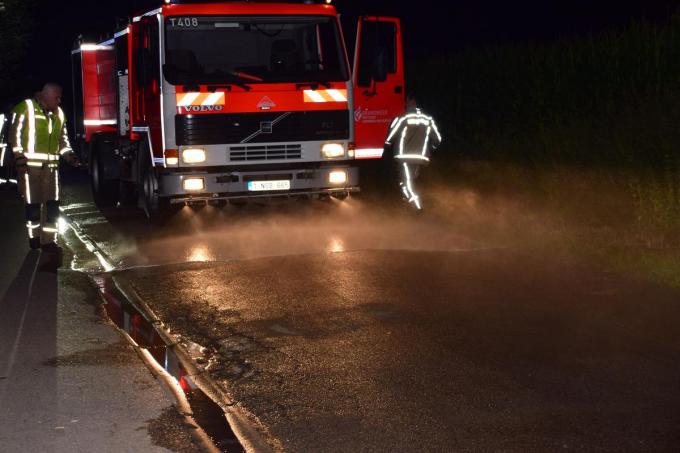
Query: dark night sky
{"points": [[430, 26]]}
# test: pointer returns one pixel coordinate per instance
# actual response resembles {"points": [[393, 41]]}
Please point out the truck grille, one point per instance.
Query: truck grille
{"points": [[261, 127], [265, 152]]}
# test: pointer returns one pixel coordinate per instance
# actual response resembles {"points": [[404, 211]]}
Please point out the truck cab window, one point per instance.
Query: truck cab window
{"points": [[268, 49], [147, 54], [377, 56]]}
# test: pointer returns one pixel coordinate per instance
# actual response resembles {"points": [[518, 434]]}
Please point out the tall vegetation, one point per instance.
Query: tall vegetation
{"points": [[610, 100], [532, 92], [17, 23]]}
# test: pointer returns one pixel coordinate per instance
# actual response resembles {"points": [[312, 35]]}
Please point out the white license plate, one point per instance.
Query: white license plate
{"points": [[268, 185]]}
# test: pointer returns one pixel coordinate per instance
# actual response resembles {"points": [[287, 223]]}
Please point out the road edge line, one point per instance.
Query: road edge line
{"points": [[250, 432], [198, 435]]}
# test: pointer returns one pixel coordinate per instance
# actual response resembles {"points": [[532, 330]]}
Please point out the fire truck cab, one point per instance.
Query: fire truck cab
{"points": [[215, 101]]}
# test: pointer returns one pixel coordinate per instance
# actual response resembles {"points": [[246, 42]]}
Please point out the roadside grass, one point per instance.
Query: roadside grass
{"points": [[592, 216], [582, 133]]}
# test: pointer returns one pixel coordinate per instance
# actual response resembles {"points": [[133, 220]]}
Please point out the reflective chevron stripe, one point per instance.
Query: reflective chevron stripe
{"points": [[325, 95], [186, 99]]}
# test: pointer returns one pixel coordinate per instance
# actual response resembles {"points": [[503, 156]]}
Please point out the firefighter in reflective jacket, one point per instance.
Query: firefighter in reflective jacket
{"points": [[39, 137], [412, 137], [4, 155]]}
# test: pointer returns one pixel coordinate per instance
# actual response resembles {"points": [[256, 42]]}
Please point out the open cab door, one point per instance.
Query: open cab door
{"points": [[378, 79]]}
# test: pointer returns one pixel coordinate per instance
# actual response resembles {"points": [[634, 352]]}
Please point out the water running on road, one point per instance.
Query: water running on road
{"points": [[253, 231]]}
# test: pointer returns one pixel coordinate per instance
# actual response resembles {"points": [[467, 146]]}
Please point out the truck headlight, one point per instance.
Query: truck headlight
{"points": [[194, 184], [332, 150], [193, 155], [337, 177]]}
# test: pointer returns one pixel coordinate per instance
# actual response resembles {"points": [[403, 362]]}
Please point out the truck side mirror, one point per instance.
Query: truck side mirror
{"points": [[380, 70]]}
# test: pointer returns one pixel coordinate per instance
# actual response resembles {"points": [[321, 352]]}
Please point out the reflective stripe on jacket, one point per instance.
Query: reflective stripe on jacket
{"points": [[40, 136], [415, 136]]}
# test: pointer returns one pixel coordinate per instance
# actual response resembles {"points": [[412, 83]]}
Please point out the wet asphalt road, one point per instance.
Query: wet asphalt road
{"points": [[255, 230], [345, 327]]}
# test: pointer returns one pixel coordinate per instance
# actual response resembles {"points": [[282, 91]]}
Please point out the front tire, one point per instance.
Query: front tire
{"points": [[104, 188], [127, 193], [157, 209]]}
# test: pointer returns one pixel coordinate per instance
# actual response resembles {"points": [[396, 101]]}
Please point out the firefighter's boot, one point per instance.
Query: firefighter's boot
{"points": [[52, 257], [34, 243]]}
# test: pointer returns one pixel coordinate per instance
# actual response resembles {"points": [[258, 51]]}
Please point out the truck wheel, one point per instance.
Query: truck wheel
{"points": [[127, 193], [147, 187], [104, 190], [157, 209]]}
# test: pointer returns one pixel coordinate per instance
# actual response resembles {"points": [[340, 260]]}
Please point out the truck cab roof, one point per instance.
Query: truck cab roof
{"points": [[203, 7]]}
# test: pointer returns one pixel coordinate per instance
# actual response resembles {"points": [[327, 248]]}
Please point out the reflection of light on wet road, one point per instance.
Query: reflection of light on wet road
{"points": [[62, 225], [253, 232], [240, 232], [336, 245], [200, 253]]}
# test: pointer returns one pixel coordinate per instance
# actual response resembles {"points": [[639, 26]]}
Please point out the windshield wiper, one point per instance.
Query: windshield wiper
{"points": [[226, 78], [246, 76], [212, 87]]}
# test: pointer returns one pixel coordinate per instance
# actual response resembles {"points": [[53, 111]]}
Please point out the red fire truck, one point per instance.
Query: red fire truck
{"points": [[197, 102]]}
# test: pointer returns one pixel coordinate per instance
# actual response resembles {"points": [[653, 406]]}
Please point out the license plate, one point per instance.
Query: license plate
{"points": [[268, 185]]}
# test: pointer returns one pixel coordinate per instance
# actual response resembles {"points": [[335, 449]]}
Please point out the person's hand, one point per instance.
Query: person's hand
{"points": [[72, 160], [21, 163], [76, 162]]}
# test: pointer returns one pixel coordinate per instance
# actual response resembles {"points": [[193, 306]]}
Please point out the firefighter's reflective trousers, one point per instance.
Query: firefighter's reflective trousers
{"points": [[39, 187], [408, 172]]}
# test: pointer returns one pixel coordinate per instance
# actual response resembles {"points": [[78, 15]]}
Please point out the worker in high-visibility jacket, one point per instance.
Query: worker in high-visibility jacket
{"points": [[4, 155], [39, 137], [7, 167], [412, 137]]}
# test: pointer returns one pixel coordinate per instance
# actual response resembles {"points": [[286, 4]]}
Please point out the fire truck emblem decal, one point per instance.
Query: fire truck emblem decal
{"points": [[266, 127], [265, 103]]}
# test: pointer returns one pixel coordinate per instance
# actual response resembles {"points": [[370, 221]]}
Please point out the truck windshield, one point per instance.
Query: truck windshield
{"points": [[255, 49]]}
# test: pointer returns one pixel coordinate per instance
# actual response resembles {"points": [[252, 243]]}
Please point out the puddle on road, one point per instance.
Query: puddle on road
{"points": [[208, 414]]}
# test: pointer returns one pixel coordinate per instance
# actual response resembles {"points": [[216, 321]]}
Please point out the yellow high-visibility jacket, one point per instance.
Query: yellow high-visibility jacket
{"points": [[39, 135]]}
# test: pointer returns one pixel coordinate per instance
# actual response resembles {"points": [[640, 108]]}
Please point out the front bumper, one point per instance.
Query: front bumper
{"points": [[234, 185]]}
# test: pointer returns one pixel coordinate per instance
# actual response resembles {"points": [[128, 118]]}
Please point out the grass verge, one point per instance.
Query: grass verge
{"points": [[616, 219]]}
